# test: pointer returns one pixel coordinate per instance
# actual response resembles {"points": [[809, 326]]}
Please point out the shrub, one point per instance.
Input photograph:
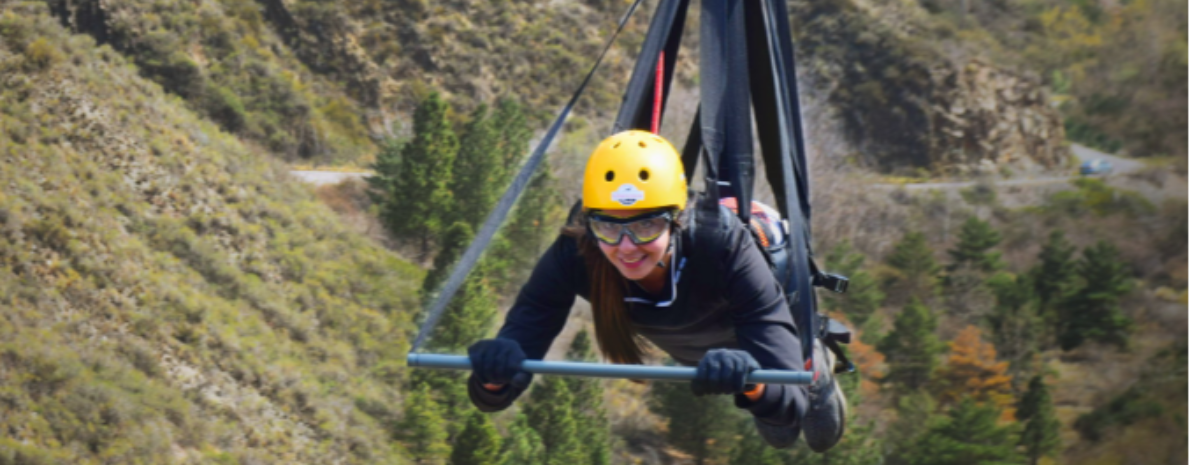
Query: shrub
{"points": [[41, 55], [13, 28], [12, 452], [225, 107], [1095, 196], [50, 231], [1125, 409]]}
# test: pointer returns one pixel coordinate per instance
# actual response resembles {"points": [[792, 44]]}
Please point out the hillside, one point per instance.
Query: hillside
{"points": [[168, 295], [324, 81]]}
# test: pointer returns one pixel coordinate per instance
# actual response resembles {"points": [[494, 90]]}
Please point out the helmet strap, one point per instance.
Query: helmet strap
{"points": [[668, 249]]}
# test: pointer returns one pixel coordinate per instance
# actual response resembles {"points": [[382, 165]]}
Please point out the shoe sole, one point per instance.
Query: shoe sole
{"points": [[840, 400]]}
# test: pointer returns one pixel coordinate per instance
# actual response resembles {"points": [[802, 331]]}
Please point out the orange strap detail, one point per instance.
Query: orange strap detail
{"points": [[754, 393]]}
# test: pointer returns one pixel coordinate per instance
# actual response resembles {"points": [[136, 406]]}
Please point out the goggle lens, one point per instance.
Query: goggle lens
{"points": [[640, 231], [607, 232]]}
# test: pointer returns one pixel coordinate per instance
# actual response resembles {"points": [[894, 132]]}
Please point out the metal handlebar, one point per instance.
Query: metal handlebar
{"points": [[604, 370]]}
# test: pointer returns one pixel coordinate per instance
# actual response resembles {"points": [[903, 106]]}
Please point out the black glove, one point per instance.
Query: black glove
{"points": [[722, 371], [498, 361]]}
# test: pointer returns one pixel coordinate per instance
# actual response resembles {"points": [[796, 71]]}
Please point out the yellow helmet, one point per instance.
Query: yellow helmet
{"points": [[634, 170]]}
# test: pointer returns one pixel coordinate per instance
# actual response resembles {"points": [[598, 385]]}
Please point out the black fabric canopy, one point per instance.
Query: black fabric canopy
{"points": [[746, 69]]}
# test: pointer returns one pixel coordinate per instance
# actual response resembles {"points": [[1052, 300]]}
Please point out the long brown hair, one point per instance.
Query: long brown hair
{"points": [[617, 337]]}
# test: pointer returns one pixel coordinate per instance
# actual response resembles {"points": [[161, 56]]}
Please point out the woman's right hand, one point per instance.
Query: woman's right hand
{"points": [[497, 362], [724, 371]]}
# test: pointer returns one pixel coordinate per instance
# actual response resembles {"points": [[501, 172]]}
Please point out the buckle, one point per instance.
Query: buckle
{"points": [[833, 333], [832, 282]]}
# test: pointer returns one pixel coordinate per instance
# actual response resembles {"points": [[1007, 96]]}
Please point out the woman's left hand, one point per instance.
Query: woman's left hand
{"points": [[723, 371]]}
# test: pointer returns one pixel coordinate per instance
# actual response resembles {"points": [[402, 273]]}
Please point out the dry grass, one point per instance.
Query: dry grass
{"points": [[349, 199]]}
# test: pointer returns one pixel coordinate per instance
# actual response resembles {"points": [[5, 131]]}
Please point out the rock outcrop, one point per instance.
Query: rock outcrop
{"points": [[993, 115], [909, 102]]}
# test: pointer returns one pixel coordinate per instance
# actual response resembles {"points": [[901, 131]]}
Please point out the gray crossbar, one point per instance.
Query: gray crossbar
{"points": [[605, 370]]}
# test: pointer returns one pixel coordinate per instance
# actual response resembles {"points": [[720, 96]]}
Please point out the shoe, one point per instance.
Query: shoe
{"points": [[825, 417], [779, 437]]}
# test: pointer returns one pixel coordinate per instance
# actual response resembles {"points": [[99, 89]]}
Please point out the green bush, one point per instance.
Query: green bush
{"points": [[12, 452], [41, 55], [1095, 196], [1125, 409], [225, 107], [1078, 130], [14, 29]]}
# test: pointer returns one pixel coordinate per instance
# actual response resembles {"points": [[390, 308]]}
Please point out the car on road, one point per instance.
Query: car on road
{"points": [[1095, 167]]}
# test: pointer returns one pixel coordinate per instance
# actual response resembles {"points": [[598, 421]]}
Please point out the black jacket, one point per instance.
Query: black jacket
{"points": [[721, 293]]}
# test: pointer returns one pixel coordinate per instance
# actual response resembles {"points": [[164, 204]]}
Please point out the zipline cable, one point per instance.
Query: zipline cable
{"points": [[496, 217]]}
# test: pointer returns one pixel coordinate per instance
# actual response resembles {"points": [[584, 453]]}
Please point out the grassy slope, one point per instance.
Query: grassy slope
{"points": [[168, 296], [321, 81]]}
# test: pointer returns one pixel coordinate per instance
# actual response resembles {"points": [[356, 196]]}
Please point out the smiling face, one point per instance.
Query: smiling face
{"points": [[636, 262]]}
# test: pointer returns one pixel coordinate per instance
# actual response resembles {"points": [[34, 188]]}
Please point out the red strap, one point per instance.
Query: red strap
{"points": [[657, 91]]}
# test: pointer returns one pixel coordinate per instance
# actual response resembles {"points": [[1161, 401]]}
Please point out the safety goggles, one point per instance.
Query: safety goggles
{"points": [[640, 229]]}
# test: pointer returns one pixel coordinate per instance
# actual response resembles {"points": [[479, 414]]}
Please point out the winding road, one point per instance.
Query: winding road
{"points": [[1083, 153], [1120, 165], [319, 178]]}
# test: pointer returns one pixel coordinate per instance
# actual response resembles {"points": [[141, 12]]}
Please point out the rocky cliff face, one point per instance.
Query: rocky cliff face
{"points": [[909, 100], [984, 113]]}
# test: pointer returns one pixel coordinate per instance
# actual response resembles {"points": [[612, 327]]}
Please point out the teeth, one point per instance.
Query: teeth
{"points": [[625, 260]]}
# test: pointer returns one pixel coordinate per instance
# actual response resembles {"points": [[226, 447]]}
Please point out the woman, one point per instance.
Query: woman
{"points": [[714, 303]]}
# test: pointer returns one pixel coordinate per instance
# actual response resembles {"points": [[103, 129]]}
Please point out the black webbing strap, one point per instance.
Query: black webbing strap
{"points": [[726, 116], [496, 217], [775, 82], [693, 147], [665, 33]]}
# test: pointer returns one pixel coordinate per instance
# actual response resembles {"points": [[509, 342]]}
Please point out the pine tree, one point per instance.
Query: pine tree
{"points": [[914, 259], [1093, 311], [590, 415], [385, 179], [915, 413], [863, 294], [751, 449], [1040, 437], [423, 428], [970, 435], [514, 136], [972, 371], [418, 201], [478, 168], [523, 446], [550, 411], [976, 240], [478, 444], [698, 426], [448, 389], [911, 348], [454, 242], [467, 318], [535, 222], [1053, 277], [1016, 326]]}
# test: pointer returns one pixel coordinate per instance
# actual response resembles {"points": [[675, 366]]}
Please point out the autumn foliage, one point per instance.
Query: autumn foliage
{"points": [[971, 370]]}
